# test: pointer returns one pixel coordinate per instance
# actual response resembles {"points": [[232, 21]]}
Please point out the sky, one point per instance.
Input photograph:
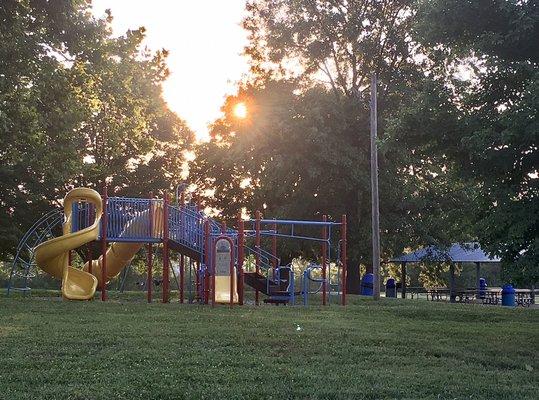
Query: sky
{"points": [[205, 41]]}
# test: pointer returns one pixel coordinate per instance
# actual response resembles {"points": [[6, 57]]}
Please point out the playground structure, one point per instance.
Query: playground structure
{"points": [[224, 259]]}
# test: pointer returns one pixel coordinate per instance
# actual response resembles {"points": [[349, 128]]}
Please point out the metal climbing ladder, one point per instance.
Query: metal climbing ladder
{"points": [[23, 267]]}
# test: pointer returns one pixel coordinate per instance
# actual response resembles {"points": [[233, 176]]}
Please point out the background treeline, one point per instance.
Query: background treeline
{"points": [[458, 127], [78, 107]]}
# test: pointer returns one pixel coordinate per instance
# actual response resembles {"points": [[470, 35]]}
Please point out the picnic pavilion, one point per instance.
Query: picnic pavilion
{"points": [[457, 253]]}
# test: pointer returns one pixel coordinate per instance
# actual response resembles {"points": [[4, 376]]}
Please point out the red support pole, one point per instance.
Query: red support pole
{"points": [[149, 283], [104, 247], [182, 277], [166, 266], [88, 249], [197, 282], [89, 258], [206, 282], [240, 258], [257, 248], [213, 275], [274, 250], [344, 260], [232, 277], [324, 254]]}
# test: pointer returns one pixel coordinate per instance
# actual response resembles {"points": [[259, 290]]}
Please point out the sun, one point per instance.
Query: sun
{"points": [[240, 111]]}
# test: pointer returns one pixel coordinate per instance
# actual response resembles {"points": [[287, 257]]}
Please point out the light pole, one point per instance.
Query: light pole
{"points": [[374, 192]]}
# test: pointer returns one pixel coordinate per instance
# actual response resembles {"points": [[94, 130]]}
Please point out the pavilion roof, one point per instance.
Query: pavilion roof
{"points": [[457, 252]]}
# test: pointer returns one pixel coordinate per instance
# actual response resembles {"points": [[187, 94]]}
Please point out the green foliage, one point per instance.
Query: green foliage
{"points": [[305, 146], [458, 150], [500, 130], [78, 107], [53, 349]]}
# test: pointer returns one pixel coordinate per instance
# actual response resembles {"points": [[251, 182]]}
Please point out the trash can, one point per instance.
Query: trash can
{"points": [[482, 287], [508, 296], [367, 285], [391, 288]]}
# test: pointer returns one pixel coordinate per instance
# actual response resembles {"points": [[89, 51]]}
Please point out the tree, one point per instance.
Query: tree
{"points": [[78, 106], [498, 143], [305, 148]]}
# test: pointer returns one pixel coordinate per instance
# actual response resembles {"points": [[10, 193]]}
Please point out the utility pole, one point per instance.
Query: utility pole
{"points": [[374, 192]]}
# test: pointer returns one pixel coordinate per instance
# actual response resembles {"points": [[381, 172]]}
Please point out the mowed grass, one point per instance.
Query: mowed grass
{"points": [[52, 349]]}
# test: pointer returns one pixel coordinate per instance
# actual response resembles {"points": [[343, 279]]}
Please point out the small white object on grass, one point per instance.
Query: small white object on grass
{"points": [[298, 328]]}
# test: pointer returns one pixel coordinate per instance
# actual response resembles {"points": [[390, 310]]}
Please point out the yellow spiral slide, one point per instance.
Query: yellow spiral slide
{"points": [[52, 256]]}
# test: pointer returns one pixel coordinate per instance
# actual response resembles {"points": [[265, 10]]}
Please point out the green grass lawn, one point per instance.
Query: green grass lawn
{"points": [[52, 349]]}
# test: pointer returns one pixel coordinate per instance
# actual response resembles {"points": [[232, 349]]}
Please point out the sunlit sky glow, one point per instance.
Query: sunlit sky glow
{"points": [[205, 41]]}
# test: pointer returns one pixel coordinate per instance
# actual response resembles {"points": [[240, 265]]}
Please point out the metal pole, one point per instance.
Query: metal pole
{"points": [[166, 269], [477, 278], [182, 276], [452, 297], [88, 249], [149, 284], [240, 257], [150, 273], [232, 275], [344, 260], [257, 254], [206, 278], [403, 280], [104, 248], [374, 192], [324, 254], [274, 251]]}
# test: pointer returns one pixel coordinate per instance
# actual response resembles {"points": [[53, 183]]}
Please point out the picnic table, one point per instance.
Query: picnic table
{"points": [[524, 298], [490, 296]]}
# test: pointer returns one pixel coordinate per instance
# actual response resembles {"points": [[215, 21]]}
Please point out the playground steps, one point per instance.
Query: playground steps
{"points": [[267, 286], [185, 250]]}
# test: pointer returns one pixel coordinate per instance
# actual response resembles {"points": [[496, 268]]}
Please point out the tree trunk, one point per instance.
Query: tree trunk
{"points": [[352, 277]]}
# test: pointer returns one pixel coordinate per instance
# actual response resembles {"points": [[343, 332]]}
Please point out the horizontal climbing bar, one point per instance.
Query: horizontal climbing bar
{"points": [[292, 222]]}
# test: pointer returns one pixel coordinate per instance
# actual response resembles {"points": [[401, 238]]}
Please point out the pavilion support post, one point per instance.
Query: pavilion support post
{"points": [[452, 296], [403, 280], [477, 278]]}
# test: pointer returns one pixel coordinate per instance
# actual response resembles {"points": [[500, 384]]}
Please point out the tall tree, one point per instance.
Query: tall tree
{"points": [[498, 148], [304, 149], [78, 106]]}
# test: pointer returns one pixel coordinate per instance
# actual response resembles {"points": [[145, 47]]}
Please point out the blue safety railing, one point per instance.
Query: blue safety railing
{"points": [[186, 226], [134, 220], [308, 277]]}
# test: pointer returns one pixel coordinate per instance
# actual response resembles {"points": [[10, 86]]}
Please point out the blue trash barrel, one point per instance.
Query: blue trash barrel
{"points": [[508, 296], [391, 288], [367, 285], [482, 287]]}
